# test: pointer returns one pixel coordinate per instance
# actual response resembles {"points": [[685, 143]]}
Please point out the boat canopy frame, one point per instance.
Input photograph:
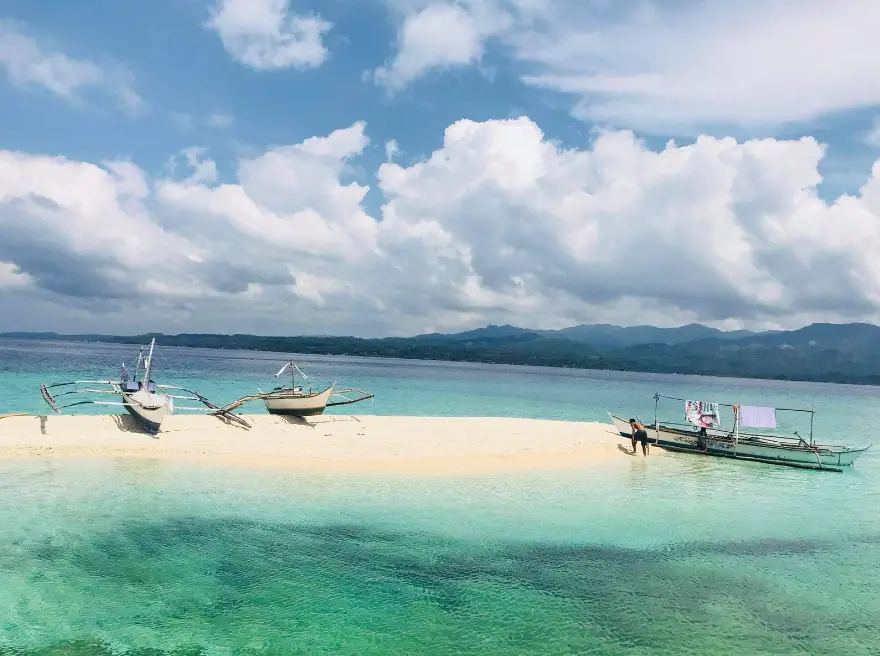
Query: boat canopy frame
{"points": [[811, 412]]}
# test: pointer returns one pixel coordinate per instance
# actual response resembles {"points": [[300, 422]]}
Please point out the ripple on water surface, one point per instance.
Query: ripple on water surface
{"points": [[665, 556]]}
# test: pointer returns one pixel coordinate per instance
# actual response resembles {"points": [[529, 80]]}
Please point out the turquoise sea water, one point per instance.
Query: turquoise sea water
{"points": [[408, 387], [674, 555]]}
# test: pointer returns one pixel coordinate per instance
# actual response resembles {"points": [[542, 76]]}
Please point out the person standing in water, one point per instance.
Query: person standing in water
{"points": [[639, 434], [702, 443]]}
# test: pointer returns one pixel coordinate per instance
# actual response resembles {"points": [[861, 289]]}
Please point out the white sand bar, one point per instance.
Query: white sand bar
{"points": [[329, 444]]}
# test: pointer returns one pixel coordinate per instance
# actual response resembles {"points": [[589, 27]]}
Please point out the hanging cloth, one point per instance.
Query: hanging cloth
{"points": [[702, 413], [751, 416]]}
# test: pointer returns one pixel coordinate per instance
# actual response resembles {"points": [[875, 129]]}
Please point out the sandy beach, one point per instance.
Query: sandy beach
{"points": [[329, 444]]}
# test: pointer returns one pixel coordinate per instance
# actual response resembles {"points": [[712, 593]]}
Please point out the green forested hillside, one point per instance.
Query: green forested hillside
{"points": [[841, 353]]}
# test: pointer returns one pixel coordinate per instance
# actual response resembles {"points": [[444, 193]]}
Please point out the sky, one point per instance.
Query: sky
{"points": [[394, 167]]}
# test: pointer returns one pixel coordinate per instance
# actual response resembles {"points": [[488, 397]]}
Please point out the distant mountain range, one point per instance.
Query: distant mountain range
{"points": [[840, 353], [602, 335]]}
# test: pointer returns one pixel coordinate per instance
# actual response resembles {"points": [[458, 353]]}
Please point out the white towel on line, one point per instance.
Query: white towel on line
{"points": [[751, 416]]}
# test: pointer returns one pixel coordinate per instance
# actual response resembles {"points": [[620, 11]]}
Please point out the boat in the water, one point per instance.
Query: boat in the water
{"points": [[143, 399], [792, 451], [294, 400]]}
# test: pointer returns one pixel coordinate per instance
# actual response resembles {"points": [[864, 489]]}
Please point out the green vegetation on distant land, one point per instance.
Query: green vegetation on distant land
{"points": [[839, 353]]}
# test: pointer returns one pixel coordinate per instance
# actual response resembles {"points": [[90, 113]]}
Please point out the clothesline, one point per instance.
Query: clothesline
{"points": [[728, 405]]}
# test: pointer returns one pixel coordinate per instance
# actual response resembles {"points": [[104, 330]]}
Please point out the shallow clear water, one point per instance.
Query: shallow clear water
{"points": [[674, 555], [663, 556]]}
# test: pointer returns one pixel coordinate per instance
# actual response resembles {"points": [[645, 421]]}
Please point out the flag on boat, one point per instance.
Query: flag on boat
{"points": [[702, 413]]}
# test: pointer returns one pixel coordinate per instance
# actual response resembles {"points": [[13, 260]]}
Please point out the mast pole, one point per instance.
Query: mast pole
{"points": [[656, 421], [735, 429], [812, 413], [137, 368], [149, 364]]}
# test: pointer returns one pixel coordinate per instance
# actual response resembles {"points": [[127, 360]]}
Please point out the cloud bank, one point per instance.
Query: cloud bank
{"points": [[675, 67], [499, 224]]}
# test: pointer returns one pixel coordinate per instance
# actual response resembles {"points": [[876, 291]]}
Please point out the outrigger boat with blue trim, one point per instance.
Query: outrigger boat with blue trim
{"points": [[144, 400], [294, 401], [790, 451]]}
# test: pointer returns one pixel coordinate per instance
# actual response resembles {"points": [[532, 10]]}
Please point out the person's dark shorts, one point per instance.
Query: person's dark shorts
{"points": [[642, 436]]}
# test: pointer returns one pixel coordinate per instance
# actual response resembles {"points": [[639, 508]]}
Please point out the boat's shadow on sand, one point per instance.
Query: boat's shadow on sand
{"points": [[296, 421], [232, 422], [315, 422], [128, 424]]}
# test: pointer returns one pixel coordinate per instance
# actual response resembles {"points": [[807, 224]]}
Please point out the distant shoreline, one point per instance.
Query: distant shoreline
{"points": [[326, 445], [542, 352]]}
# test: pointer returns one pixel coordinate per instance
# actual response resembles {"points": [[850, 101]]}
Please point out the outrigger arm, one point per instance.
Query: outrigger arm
{"points": [[49, 398], [217, 411]]}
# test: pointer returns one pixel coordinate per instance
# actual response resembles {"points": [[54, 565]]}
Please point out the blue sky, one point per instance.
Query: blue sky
{"points": [[164, 78], [181, 71], [184, 76]]}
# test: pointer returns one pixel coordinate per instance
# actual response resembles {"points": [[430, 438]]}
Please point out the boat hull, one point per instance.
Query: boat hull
{"points": [[297, 404], [149, 410], [763, 450]]}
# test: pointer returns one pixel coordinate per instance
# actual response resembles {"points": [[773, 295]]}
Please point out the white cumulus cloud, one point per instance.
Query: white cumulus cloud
{"points": [[267, 34], [498, 225], [440, 35]]}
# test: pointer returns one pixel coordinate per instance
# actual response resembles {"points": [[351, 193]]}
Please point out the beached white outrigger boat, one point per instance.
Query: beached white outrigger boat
{"points": [[293, 400], [144, 400], [792, 451]]}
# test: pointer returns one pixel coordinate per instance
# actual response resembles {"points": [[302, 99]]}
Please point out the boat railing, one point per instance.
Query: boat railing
{"points": [[723, 432]]}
